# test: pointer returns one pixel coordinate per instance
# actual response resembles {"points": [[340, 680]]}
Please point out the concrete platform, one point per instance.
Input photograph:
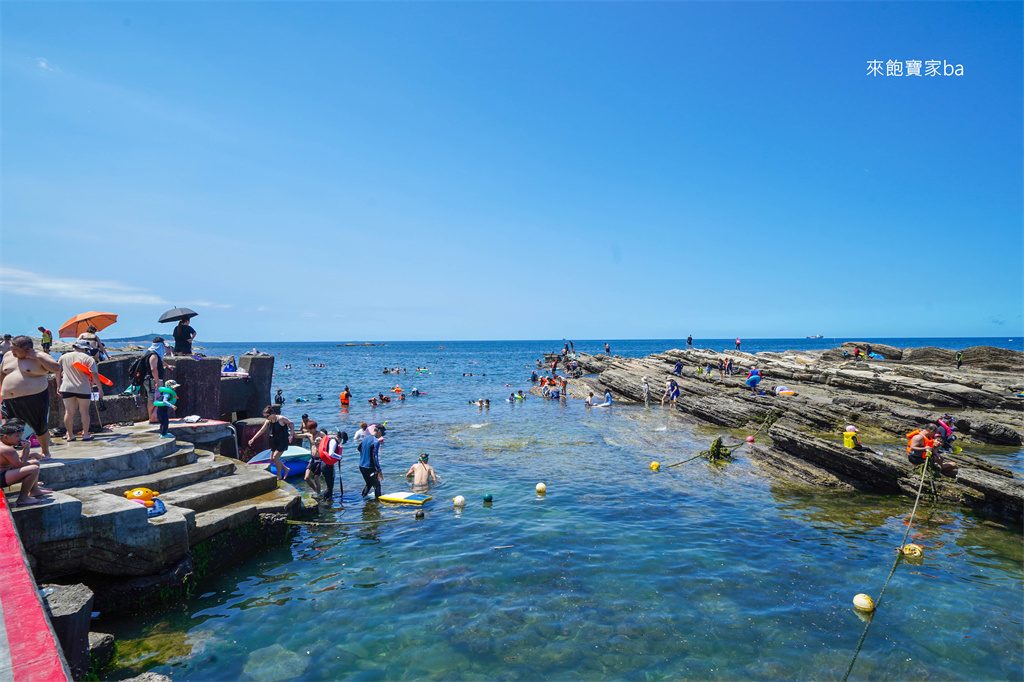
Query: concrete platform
{"points": [[89, 526]]}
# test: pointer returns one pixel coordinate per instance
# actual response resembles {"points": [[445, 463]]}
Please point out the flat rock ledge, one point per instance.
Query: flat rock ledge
{"points": [[885, 399]]}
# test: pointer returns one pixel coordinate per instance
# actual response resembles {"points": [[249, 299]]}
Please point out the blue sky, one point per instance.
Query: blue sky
{"points": [[335, 171]]}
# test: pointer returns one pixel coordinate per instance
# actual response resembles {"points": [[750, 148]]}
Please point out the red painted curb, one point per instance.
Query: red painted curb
{"points": [[34, 651]]}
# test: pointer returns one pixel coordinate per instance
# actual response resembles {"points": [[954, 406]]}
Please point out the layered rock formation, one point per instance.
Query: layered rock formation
{"points": [[885, 399]]}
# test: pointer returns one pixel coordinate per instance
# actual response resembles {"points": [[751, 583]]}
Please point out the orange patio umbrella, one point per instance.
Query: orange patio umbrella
{"points": [[79, 323]]}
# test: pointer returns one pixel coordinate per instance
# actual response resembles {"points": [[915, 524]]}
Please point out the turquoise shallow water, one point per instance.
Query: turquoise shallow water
{"points": [[697, 572]]}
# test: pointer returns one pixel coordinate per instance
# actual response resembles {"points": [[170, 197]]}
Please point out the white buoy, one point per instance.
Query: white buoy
{"points": [[864, 602], [459, 501], [541, 488]]}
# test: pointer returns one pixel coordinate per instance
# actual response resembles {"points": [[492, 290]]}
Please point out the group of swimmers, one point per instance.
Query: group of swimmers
{"points": [[397, 370]]}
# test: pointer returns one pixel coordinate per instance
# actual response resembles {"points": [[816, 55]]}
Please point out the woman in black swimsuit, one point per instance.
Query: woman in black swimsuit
{"points": [[282, 430]]}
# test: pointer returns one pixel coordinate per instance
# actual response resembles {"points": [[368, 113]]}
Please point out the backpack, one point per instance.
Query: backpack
{"points": [[138, 371]]}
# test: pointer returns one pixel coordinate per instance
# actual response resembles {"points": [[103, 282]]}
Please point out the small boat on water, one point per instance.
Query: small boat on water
{"points": [[816, 336], [295, 459]]}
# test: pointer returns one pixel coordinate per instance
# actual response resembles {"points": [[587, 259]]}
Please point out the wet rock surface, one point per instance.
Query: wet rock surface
{"points": [[884, 399]]}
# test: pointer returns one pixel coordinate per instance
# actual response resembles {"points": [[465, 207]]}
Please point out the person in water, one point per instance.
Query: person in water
{"points": [[315, 467], [421, 472], [345, 397], [607, 400], [589, 402], [671, 392], [279, 398], [329, 454], [645, 391], [369, 463], [282, 430]]}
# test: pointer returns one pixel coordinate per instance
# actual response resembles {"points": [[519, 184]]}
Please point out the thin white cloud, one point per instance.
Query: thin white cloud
{"points": [[44, 64], [261, 308], [25, 283], [208, 304]]}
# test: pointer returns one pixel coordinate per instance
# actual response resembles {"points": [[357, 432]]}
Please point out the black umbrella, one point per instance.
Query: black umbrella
{"points": [[177, 314]]}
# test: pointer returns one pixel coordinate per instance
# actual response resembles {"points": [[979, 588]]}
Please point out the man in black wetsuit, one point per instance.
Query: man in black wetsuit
{"points": [[369, 463]]}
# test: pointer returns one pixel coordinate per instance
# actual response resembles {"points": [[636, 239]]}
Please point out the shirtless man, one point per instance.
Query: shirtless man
{"points": [[15, 468], [25, 388], [421, 471]]}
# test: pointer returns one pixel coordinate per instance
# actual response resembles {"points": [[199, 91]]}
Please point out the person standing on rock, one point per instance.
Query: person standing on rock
{"points": [[282, 431], [959, 358], [753, 379], [47, 339], [25, 388], [607, 350], [183, 335], [737, 344], [721, 369], [645, 390], [689, 341]]}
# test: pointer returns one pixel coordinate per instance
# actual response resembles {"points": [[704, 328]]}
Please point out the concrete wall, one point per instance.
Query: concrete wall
{"points": [[203, 390], [261, 374]]}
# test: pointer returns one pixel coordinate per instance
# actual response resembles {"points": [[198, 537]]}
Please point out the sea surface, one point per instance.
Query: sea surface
{"points": [[617, 573]]}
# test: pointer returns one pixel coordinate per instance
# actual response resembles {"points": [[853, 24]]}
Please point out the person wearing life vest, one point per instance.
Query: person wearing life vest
{"points": [[345, 397], [851, 441], [922, 443], [959, 358], [329, 453]]}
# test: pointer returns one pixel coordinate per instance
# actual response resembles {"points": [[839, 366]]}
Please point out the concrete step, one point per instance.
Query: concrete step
{"points": [[186, 454], [209, 523], [245, 483], [109, 457], [202, 469]]}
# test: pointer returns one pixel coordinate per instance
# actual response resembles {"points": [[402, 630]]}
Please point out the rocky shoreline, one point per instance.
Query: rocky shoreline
{"points": [[884, 399]]}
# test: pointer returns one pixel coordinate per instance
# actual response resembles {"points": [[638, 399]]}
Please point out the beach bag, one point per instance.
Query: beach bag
{"points": [[138, 371]]}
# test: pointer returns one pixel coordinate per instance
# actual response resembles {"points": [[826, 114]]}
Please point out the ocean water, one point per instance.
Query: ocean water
{"points": [[698, 571]]}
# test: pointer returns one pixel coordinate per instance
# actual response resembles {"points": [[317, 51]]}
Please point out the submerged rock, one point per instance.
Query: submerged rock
{"points": [[274, 663]]}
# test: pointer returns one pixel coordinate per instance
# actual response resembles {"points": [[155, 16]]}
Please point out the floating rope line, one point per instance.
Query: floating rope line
{"points": [[899, 556]]}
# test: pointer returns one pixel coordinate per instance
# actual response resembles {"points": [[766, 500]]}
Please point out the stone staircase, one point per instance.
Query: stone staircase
{"points": [[90, 526]]}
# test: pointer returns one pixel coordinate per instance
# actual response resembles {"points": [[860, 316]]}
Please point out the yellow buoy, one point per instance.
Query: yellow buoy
{"points": [[655, 466], [864, 602], [541, 488], [913, 550]]}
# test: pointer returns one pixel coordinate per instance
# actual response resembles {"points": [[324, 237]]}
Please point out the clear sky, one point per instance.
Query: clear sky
{"points": [[404, 171]]}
